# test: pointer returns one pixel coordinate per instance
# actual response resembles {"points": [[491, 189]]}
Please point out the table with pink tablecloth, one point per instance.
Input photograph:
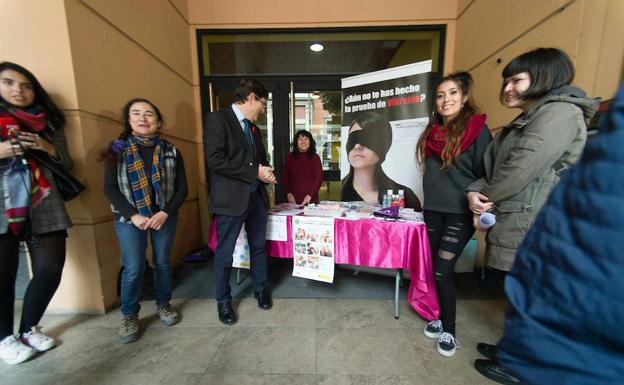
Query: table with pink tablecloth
{"points": [[377, 243]]}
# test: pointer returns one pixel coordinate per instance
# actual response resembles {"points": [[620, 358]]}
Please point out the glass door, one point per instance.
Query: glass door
{"points": [[317, 109]]}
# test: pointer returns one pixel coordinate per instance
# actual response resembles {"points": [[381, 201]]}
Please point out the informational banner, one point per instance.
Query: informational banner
{"points": [[391, 109], [313, 244]]}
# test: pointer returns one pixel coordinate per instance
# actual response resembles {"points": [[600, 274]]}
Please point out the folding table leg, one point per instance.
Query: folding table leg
{"points": [[239, 277], [396, 293]]}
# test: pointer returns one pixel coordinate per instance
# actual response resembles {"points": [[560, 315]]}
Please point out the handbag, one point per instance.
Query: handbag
{"points": [[68, 186]]}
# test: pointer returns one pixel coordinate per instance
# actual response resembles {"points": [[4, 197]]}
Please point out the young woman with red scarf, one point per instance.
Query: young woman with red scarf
{"points": [[31, 207], [450, 154]]}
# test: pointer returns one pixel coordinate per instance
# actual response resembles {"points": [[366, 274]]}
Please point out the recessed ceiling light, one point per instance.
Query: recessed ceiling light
{"points": [[316, 47]]}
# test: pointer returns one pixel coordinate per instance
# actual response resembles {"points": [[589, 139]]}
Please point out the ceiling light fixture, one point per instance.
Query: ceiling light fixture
{"points": [[317, 47]]}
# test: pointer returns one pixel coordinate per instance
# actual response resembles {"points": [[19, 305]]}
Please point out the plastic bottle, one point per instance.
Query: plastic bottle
{"points": [[402, 199], [395, 200], [388, 199], [384, 202]]}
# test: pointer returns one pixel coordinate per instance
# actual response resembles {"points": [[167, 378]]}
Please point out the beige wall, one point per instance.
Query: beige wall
{"points": [[590, 31], [93, 56]]}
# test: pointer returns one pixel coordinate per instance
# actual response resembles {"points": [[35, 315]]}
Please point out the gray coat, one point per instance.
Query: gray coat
{"points": [[49, 215], [525, 161]]}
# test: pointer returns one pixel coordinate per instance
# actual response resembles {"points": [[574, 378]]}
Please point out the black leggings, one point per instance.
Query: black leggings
{"points": [[448, 235], [47, 261]]}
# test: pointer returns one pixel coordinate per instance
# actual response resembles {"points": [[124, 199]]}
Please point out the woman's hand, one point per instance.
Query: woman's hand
{"points": [[139, 221], [478, 202], [290, 198], [10, 148], [157, 220], [34, 141], [306, 200]]}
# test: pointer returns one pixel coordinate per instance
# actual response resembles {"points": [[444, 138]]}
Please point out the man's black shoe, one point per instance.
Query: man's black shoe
{"points": [[226, 313], [264, 300], [487, 350], [496, 372]]}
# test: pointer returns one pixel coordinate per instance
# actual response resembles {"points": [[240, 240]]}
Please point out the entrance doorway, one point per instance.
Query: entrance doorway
{"points": [[304, 84]]}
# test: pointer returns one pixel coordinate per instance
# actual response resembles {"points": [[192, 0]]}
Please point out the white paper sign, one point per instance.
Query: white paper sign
{"points": [[277, 228], [313, 248]]}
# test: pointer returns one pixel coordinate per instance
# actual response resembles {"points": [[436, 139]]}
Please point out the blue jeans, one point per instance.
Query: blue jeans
{"points": [[133, 244]]}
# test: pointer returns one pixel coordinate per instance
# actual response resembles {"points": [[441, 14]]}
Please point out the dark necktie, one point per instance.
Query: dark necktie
{"points": [[247, 125], [250, 145]]}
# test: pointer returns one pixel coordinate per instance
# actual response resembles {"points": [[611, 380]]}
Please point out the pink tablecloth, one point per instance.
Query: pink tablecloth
{"points": [[375, 243]]}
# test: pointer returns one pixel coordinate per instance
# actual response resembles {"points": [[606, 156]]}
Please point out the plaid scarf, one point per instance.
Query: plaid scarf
{"points": [[132, 177], [24, 184]]}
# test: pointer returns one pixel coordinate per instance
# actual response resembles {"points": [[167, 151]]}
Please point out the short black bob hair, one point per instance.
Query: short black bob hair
{"points": [[246, 87], [295, 145], [549, 68]]}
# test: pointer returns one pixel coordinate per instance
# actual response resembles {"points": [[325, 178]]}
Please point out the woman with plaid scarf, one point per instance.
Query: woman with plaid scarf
{"points": [[145, 183], [31, 207]]}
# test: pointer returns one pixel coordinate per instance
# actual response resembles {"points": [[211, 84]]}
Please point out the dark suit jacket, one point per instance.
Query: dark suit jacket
{"points": [[231, 167]]}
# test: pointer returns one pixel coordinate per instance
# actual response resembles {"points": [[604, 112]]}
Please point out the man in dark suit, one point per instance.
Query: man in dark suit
{"points": [[238, 171]]}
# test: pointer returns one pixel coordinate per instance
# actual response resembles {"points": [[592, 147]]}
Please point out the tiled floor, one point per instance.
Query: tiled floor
{"points": [[299, 341]]}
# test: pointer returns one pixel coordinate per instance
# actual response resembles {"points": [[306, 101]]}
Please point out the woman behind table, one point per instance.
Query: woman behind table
{"points": [[526, 160], [370, 138], [303, 173], [450, 153], [145, 183], [32, 208]]}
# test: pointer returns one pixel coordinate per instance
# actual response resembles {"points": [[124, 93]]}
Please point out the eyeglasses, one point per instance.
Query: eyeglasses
{"points": [[264, 102]]}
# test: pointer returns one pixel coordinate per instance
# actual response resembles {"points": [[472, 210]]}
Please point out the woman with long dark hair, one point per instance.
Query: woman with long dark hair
{"points": [[32, 208], [145, 183], [303, 173], [450, 154], [370, 138]]}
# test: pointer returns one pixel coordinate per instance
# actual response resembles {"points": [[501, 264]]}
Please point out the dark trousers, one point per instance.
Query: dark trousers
{"points": [[448, 235], [228, 227], [47, 261]]}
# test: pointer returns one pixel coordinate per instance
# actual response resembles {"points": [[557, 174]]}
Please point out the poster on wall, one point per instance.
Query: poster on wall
{"points": [[313, 248], [383, 115]]}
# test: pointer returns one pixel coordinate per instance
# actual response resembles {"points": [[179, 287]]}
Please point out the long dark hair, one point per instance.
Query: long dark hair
{"points": [[549, 68], [295, 146], [455, 128], [109, 154], [54, 115]]}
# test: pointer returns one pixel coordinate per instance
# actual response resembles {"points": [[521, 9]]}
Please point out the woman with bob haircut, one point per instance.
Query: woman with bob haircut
{"points": [[528, 157], [370, 138], [145, 182], [303, 173], [450, 154], [32, 208]]}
